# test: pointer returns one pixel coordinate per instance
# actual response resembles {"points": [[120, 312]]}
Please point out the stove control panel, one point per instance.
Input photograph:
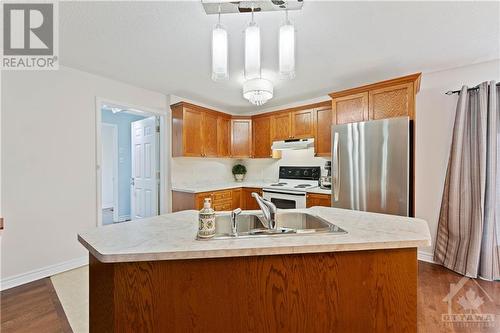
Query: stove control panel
{"points": [[306, 173]]}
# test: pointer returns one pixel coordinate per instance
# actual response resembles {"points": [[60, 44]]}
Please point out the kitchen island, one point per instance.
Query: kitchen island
{"points": [[153, 275]]}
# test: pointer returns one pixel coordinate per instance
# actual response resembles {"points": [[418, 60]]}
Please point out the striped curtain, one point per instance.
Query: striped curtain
{"points": [[468, 234]]}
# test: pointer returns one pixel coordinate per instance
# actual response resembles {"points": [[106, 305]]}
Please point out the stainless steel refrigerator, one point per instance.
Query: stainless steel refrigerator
{"points": [[371, 166]]}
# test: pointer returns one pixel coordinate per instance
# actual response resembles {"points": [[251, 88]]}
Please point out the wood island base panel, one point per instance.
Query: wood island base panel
{"points": [[358, 291]]}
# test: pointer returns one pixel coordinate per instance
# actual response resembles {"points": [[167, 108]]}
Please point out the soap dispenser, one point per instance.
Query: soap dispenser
{"points": [[206, 220]]}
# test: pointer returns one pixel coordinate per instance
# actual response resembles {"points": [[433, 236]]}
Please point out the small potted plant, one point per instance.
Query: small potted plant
{"points": [[239, 171]]}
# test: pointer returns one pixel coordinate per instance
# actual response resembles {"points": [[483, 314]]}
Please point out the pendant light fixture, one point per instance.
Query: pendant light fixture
{"points": [[252, 50], [219, 52], [258, 91], [287, 49]]}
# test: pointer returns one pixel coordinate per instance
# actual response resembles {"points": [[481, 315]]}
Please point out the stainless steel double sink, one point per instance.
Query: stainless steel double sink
{"points": [[251, 224]]}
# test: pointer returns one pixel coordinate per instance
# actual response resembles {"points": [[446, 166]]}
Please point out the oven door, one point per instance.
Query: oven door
{"points": [[286, 200]]}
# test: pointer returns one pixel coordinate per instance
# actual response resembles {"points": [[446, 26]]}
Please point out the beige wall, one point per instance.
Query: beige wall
{"points": [[434, 126], [49, 161]]}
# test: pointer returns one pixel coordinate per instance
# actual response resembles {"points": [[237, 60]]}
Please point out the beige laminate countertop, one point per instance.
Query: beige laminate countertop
{"points": [[200, 188], [173, 236]]}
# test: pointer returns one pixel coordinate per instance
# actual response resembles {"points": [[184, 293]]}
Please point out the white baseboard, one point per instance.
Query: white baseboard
{"points": [[426, 256], [17, 280]]}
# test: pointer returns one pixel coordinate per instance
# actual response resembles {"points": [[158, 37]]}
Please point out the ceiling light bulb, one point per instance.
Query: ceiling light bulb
{"points": [[219, 53], [287, 50], [252, 51], [258, 91]]}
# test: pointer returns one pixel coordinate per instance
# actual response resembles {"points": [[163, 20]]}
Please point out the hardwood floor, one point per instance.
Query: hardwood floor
{"points": [[34, 307], [434, 285]]}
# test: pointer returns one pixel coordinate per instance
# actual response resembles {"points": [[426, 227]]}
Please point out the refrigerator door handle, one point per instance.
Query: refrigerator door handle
{"points": [[336, 180]]}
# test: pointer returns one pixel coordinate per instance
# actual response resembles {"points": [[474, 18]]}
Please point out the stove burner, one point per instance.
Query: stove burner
{"points": [[303, 185], [279, 184]]}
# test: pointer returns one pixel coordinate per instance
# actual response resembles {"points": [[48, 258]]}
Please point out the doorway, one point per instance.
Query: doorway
{"points": [[129, 166]]}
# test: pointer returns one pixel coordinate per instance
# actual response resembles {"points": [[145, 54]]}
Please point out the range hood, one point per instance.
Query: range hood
{"points": [[293, 144]]}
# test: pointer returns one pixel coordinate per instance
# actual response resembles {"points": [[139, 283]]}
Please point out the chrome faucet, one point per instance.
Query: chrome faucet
{"points": [[268, 209], [234, 225]]}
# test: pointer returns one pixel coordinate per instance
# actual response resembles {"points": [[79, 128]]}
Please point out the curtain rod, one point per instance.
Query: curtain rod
{"points": [[451, 92]]}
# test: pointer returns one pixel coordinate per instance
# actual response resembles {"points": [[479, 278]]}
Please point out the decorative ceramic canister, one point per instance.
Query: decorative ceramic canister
{"points": [[206, 220]]}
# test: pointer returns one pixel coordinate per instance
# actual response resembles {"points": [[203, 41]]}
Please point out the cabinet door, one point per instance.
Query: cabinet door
{"points": [[237, 198], [209, 134], [323, 132], [394, 101], [302, 124], [223, 136], [262, 137], [192, 137], [281, 126], [350, 109], [241, 137], [200, 199], [317, 199], [249, 202]]}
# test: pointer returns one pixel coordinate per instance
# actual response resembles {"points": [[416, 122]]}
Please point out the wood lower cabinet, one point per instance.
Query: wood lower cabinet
{"points": [[241, 138], [351, 291], [262, 137], [350, 109], [223, 200], [281, 126], [323, 131], [318, 199], [247, 201]]}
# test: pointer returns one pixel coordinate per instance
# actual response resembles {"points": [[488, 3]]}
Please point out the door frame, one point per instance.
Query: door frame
{"points": [[164, 147], [115, 170]]}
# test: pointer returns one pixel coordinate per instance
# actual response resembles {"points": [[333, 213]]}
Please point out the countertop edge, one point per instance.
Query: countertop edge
{"points": [[212, 254]]}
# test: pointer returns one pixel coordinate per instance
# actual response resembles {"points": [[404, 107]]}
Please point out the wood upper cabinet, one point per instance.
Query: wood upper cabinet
{"points": [[281, 126], [241, 137], [302, 124], [186, 131], [381, 100], [209, 134], [262, 137], [392, 101], [323, 131], [200, 132], [350, 109], [223, 136]]}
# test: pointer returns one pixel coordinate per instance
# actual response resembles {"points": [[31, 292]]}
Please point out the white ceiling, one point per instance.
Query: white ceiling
{"points": [[165, 46]]}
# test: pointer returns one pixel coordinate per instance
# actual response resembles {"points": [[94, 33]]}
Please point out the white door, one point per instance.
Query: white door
{"points": [[109, 165], [145, 181]]}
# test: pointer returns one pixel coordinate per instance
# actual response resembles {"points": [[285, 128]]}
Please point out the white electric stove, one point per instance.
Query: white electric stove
{"points": [[290, 191]]}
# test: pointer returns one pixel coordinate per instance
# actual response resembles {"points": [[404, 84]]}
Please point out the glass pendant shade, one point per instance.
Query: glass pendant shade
{"points": [[219, 54], [252, 51], [258, 91], [287, 50]]}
